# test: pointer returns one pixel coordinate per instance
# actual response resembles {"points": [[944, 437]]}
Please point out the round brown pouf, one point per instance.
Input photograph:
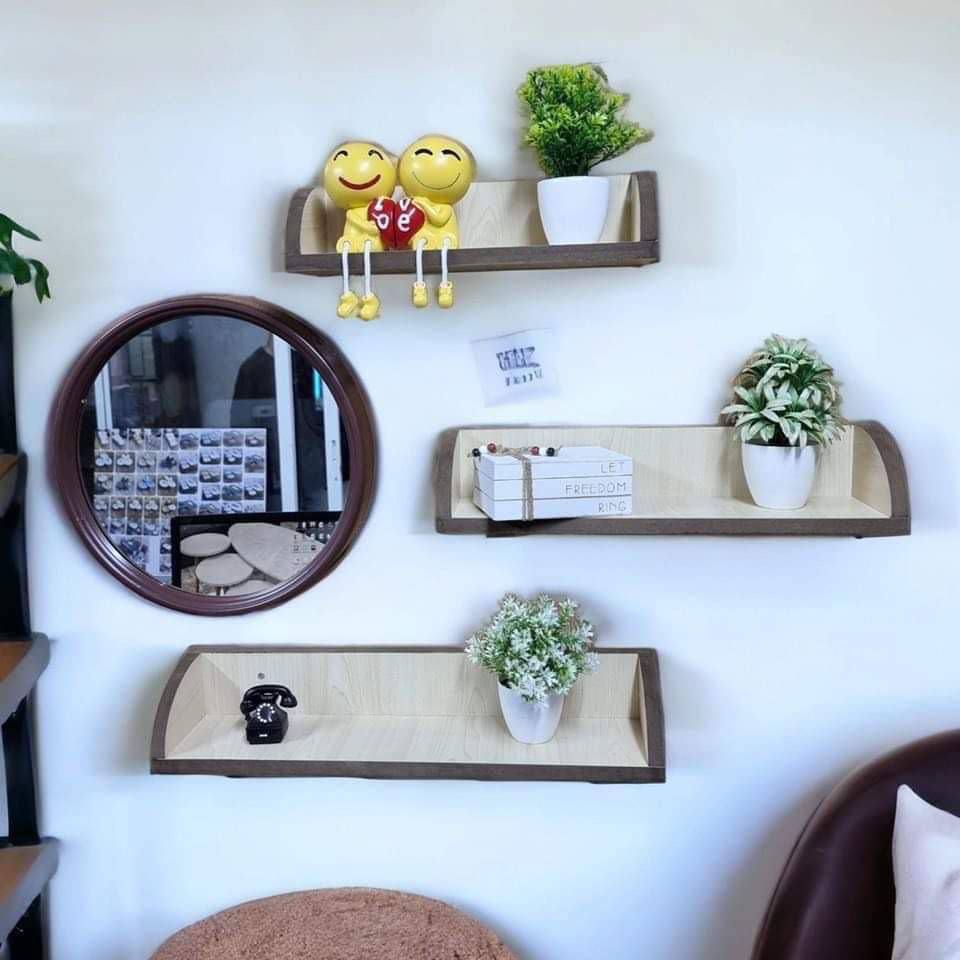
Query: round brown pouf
{"points": [[346, 923]]}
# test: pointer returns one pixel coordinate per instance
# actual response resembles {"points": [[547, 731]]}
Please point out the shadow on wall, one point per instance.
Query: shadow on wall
{"points": [[278, 222], [738, 913], [32, 154], [133, 747]]}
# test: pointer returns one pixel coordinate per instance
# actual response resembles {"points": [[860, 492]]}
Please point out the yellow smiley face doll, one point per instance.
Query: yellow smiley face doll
{"points": [[356, 174], [435, 172]]}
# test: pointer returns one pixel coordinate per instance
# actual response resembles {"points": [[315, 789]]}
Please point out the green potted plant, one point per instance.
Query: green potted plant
{"points": [[537, 649], [14, 271], [786, 407], [575, 122]]}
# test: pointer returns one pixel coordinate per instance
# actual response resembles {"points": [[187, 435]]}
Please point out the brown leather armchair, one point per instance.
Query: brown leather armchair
{"points": [[835, 898]]}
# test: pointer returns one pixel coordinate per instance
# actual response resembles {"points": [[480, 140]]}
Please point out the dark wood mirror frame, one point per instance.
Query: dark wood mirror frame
{"points": [[356, 417]]}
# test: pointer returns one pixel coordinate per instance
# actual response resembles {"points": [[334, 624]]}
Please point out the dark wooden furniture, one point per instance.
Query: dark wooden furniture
{"points": [[27, 862], [499, 230], [835, 899], [318, 350], [345, 923], [689, 480], [404, 713]]}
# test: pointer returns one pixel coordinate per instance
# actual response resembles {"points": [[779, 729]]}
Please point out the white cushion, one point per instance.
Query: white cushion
{"points": [[926, 869]]}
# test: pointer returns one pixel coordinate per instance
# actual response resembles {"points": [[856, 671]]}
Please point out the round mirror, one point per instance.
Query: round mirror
{"points": [[216, 454]]}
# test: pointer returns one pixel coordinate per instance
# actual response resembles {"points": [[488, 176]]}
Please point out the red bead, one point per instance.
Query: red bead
{"points": [[491, 448], [535, 451]]}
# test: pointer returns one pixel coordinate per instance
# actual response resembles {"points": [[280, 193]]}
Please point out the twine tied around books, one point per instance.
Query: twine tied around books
{"points": [[526, 477], [522, 454]]}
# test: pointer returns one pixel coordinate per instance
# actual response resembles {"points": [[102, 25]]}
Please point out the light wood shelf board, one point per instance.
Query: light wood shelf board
{"points": [[21, 663], [716, 508], [7, 462], [500, 229], [404, 713], [24, 872], [10, 467], [689, 480], [582, 741]]}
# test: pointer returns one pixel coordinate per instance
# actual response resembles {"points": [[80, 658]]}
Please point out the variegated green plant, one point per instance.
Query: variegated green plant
{"points": [[536, 647], [786, 395]]}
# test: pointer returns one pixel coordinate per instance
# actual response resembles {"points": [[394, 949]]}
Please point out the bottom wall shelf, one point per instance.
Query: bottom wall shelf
{"points": [[410, 713]]}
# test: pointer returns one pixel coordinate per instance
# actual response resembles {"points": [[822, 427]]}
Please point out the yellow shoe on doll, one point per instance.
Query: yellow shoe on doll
{"points": [[420, 296], [445, 294], [348, 304], [369, 306]]}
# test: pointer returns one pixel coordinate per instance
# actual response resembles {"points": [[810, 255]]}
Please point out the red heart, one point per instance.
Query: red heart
{"points": [[397, 221], [382, 212], [410, 218]]}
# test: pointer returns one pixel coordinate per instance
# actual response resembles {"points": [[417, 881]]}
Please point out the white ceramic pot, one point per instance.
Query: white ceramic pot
{"points": [[530, 722], [573, 209], [779, 478]]}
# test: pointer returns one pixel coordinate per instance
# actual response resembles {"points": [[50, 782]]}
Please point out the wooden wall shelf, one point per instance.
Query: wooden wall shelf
{"points": [[688, 480], [21, 663], [500, 229], [10, 465], [404, 713], [24, 872]]}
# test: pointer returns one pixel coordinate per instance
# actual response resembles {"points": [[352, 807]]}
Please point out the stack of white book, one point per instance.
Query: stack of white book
{"points": [[576, 482]]}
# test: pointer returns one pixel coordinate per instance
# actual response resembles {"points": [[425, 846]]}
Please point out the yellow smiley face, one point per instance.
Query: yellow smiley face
{"points": [[436, 167], [358, 172]]}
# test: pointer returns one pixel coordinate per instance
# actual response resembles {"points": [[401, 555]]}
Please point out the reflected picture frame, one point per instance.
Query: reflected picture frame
{"points": [[182, 527]]}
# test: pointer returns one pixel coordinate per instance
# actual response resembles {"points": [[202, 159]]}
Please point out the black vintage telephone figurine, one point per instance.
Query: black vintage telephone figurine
{"points": [[263, 707]]}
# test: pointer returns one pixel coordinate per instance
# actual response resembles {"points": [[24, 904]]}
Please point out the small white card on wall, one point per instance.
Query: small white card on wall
{"points": [[518, 366]]}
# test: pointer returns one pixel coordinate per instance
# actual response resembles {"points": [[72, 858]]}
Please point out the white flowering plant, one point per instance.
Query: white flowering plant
{"points": [[536, 647]]}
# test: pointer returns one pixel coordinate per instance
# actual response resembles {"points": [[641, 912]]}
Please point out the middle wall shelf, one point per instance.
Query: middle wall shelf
{"points": [[689, 480]]}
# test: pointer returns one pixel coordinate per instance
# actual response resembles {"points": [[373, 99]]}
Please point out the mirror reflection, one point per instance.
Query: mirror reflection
{"points": [[214, 456]]}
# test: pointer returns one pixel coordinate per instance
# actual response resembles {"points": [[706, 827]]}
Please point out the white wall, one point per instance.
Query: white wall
{"points": [[808, 157]]}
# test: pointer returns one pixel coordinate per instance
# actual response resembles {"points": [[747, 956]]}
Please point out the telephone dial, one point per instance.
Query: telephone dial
{"points": [[262, 706]]}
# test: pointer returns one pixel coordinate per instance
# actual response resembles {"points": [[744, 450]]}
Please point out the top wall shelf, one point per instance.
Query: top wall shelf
{"points": [[689, 480], [500, 229]]}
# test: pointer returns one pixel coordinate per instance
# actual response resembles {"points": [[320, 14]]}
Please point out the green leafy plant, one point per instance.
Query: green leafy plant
{"points": [[536, 647], [16, 268], [786, 395], [576, 119]]}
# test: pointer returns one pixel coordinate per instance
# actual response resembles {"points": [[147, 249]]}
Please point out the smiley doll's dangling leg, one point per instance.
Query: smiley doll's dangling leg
{"points": [[369, 302], [349, 301], [420, 298], [445, 289]]}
